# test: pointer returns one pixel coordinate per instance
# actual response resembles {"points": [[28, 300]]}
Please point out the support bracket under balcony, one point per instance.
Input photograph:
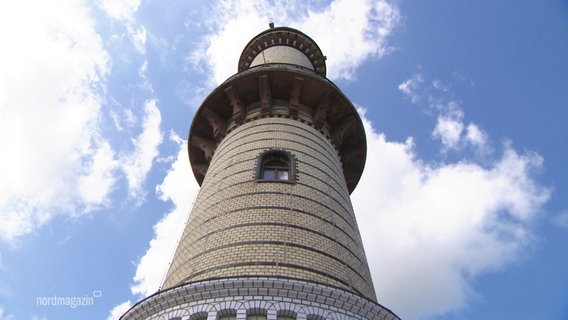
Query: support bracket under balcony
{"points": [[218, 124], [236, 103], [200, 168], [295, 94], [339, 132], [265, 95], [206, 145], [320, 112]]}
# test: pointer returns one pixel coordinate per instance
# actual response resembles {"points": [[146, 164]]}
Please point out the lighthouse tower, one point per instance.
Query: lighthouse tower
{"points": [[277, 149]]}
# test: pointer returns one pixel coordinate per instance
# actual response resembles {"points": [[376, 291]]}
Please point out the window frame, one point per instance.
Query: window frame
{"points": [[283, 160]]}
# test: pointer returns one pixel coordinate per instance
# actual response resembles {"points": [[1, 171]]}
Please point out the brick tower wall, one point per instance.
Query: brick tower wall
{"points": [[304, 230]]}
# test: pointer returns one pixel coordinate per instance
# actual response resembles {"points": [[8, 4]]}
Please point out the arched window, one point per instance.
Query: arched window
{"points": [[227, 315], [285, 315], [275, 168], [275, 165], [198, 316], [256, 314]]}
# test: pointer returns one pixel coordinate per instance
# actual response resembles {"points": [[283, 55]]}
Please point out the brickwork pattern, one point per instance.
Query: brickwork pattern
{"points": [[304, 230], [272, 297]]}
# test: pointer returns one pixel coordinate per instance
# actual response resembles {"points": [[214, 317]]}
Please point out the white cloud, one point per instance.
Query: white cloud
{"points": [[123, 11], [120, 9], [438, 84], [475, 135], [218, 54], [138, 38], [56, 158], [452, 132], [6, 317], [429, 230], [137, 164], [362, 26], [411, 86], [449, 126], [95, 185], [179, 187], [123, 117], [119, 310], [53, 69]]}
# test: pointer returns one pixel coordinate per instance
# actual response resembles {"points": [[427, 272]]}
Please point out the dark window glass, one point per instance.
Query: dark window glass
{"points": [[227, 315], [268, 174], [275, 167], [198, 316], [286, 315]]}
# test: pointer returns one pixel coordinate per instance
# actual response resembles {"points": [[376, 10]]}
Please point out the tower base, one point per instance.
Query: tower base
{"points": [[239, 298]]}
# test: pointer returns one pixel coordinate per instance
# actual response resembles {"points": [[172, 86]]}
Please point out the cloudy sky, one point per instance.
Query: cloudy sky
{"points": [[463, 205]]}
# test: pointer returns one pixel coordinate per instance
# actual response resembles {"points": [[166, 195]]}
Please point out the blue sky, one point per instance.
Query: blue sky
{"points": [[463, 203]]}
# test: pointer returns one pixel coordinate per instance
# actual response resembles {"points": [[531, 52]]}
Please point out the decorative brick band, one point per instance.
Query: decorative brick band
{"points": [[274, 296]]}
